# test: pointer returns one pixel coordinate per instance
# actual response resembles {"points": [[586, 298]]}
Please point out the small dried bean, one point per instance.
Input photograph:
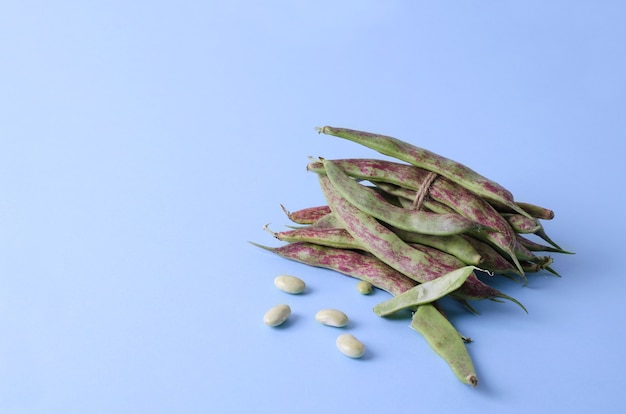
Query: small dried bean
{"points": [[350, 346], [290, 284], [332, 317], [364, 288], [277, 315]]}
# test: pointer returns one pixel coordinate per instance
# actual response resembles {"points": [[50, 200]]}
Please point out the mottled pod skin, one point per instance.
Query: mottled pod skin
{"points": [[430, 161], [455, 245], [522, 224], [375, 205], [536, 211], [473, 288], [445, 340], [390, 249], [492, 259], [441, 190], [307, 215], [348, 262], [331, 237]]}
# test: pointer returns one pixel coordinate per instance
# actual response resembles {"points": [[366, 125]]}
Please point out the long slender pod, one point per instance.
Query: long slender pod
{"points": [[442, 191], [331, 237], [536, 211], [406, 197], [522, 224], [446, 341], [328, 221], [426, 159], [473, 285], [307, 215], [425, 292], [390, 249], [375, 205], [455, 245], [492, 260], [348, 262]]}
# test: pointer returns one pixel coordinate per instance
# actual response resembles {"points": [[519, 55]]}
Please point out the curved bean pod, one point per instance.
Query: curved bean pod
{"points": [[405, 198], [328, 221], [455, 245], [442, 190], [307, 215], [493, 261], [446, 341], [473, 288], [331, 237], [348, 262], [430, 161], [375, 205], [425, 292], [522, 224], [390, 249], [536, 211]]}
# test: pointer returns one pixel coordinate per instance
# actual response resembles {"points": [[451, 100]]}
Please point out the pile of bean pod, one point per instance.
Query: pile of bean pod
{"points": [[421, 227]]}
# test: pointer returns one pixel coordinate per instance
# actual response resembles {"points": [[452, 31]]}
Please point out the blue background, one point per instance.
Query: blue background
{"points": [[143, 144]]}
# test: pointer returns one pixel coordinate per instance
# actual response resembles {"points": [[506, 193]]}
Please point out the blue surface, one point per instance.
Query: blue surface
{"points": [[143, 144]]}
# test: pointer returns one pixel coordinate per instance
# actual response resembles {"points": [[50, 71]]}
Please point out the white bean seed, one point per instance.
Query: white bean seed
{"points": [[277, 315], [350, 346], [332, 317], [364, 287], [289, 284]]}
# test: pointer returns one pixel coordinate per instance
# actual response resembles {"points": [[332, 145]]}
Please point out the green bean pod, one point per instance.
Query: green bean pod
{"points": [[442, 190], [522, 224], [406, 197], [493, 260], [455, 245], [331, 237], [420, 157], [536, 211], [392, 250], [375, 205], [307, 215], [446, 341], [473, 288], [425, 292], [348, 262], [329, 221]]}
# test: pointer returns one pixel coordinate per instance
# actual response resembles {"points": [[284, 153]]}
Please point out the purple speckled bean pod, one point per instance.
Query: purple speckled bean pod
{"points": [[348, 262], [420, 157], [532, 210], [372, 203], [329, 221], [307, 215], [522, 224], [443, 191], [384, 244], [473, 288], [492, 259], [331, 237]]}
